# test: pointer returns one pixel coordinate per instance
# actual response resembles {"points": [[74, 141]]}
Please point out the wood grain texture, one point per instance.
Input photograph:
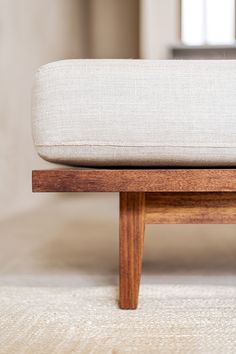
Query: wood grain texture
{"points": [[131, 247], [190, 208], [143, 180]]}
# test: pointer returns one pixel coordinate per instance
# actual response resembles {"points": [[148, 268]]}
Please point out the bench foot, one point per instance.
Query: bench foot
{"points": [[132, 213]]}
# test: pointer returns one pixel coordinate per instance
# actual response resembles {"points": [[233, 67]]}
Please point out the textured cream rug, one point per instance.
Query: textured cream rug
{"points": [[171, 319], [58, 276]]}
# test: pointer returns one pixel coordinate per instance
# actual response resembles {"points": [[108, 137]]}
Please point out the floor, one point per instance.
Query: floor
{"points": [[59, 273]]}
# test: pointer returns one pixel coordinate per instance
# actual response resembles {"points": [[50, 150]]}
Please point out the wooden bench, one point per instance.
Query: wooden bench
{"points": [[149, 196]]}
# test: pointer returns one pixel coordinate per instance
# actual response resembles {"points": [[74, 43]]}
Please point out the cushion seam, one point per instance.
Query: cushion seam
{"points": [[138, 145]]}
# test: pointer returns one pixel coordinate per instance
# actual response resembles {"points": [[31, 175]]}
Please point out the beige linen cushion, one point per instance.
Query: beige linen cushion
{"points": [[136, 113]]}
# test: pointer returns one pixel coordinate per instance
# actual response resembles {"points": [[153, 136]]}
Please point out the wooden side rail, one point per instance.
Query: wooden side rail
{"points": [[190, 208], [142, 180], [155, 196]]}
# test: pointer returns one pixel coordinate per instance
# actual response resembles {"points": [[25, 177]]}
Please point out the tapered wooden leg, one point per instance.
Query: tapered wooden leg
{"points": [[132, 210]]}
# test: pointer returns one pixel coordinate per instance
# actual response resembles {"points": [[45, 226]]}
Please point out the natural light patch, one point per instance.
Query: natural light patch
{"points": [[208, 22], [220, 21], [192, 22]]}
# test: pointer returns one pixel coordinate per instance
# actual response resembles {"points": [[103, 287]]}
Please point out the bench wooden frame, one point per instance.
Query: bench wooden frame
{"points": [[149, 196]]}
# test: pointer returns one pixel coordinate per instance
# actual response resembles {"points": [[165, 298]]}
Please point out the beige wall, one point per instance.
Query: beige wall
{"points": [[114, 28], [32, 33], [159, 27]]}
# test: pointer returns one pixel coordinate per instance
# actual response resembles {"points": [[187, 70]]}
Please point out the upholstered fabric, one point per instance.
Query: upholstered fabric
{"points": [[136, 112]]}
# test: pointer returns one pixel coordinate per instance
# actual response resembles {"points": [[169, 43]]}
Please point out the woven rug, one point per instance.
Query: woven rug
{"points": [[171, 319], [58, 276]]}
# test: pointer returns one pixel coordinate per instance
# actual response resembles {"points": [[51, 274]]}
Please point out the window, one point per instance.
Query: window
{"points": [[208, 22]]}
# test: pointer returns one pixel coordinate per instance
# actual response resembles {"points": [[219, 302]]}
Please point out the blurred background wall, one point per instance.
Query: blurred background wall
{"points": [[159, 27], [33, 33], [114, 28]]}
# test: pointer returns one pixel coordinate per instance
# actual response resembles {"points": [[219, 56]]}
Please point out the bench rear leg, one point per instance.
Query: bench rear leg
{"points": [[132, 214]]}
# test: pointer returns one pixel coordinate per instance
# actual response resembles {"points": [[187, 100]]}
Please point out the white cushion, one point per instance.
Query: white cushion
{"points": [[136, 112]]}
